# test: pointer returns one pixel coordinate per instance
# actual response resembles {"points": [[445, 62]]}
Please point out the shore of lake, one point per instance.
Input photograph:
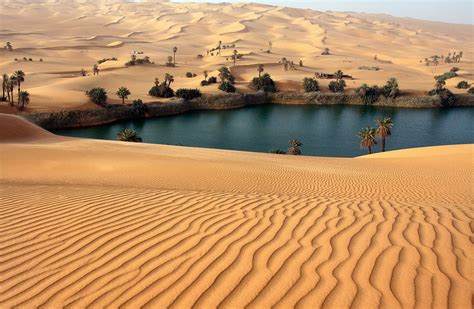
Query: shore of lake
{"points": [[97, 223], [101, 115]]}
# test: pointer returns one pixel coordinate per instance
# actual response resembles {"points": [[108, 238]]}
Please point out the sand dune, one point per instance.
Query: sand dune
{"points": [[52, 31], [101, 223]]}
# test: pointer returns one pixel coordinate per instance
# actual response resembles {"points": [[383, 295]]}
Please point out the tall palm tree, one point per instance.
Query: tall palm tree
{"points": [[260, 69], [20, 77], [220, 47], [123, 93], [234, 55], [270, 44], [175, 50], [128, 135], [206, 74], [23, 99], [294, 149], [384, 129], [12, 85], [7, 88], [367, 138], [169, 78], [4, 85]]}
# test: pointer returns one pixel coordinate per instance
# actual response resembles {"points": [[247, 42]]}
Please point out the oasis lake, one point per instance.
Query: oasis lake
{"points": [[324, 130]]}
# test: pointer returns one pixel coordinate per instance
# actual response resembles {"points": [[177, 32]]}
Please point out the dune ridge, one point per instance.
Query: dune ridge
{"points": [[103, 223]]}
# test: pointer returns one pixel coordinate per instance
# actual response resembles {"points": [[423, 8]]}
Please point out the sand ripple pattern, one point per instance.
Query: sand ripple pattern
{"points": [[121, 247]]}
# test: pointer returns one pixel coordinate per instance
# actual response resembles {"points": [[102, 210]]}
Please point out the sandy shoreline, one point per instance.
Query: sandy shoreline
{"points": [[96, 223]]}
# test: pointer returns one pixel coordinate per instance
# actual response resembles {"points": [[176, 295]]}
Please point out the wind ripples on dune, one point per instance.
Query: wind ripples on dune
{"points": [[156, 248]]}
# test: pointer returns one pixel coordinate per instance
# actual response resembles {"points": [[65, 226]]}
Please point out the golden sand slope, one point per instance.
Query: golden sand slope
{"points": [[70, 35], [96, 223]]}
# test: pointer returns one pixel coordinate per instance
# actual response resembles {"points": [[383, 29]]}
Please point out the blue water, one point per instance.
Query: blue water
{"points": [[324, 130]]}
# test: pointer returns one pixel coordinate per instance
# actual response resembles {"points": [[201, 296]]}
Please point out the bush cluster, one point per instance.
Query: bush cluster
{"points": [[264, 82], [227, 87], [371, 94], [337, 85], [98, 96], [161, 91], [188, 94], [310, 85], [446, 76]]}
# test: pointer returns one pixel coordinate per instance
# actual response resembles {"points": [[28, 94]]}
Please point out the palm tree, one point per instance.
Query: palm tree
{"points": [[234, 56], [157, 82], [128, 135], [260, 69], [95, 69], [8, 86], [367, 138], [169, 78], [123, 93], [219, 47], [12, 85], [23, 99], [294, 149], [4, 84], [270, 44], [384, 129], [175, 49], [205, 73], [9, 46], [339, 74], [20, 77]]}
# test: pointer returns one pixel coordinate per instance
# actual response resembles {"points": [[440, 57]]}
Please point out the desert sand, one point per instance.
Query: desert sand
{"points": [[71, 35], [105, 223]]}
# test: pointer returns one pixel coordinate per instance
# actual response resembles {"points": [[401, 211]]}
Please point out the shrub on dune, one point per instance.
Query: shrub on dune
{"points": [[264, 82], [188, 94], [463, 85], [310, 85], [337, 85], [227, 87], [98, 96], [161, 91]]}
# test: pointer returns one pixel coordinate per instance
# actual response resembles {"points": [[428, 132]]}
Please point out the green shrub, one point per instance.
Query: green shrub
{"points": [[454, 69], [445, 76], [447, 97], [337, 85], [189, 74], [310, 85], [188, 94], [471, 90], [368, 94], [391, 89], [264, 82], [161, 91], [463, 85], [98, 96], [204, 83], [212, 80], [139, 109], [227, 87]]}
